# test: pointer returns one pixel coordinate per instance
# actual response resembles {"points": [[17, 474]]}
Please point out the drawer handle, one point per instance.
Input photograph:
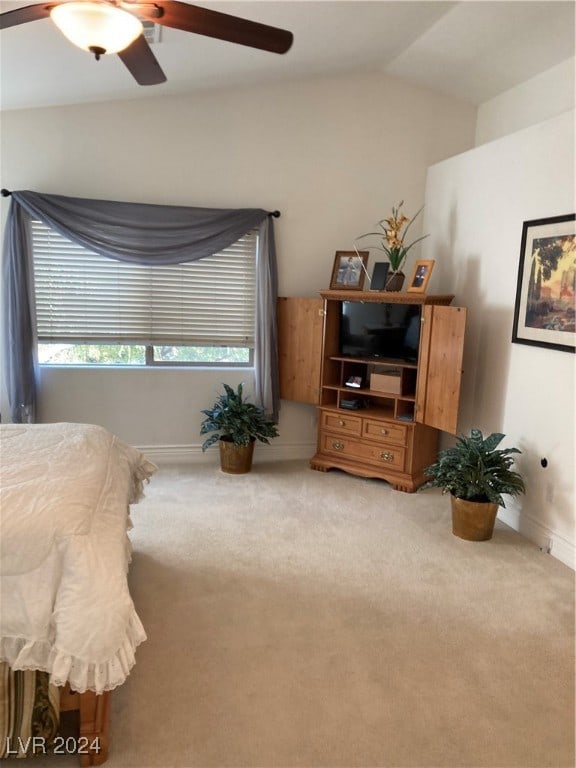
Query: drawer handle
{"points": [[384, 431], [387, 456], [341, 423], [338, 446]]}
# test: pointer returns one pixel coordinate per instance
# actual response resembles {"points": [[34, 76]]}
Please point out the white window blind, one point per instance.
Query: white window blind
{"points": [[82, 297]]}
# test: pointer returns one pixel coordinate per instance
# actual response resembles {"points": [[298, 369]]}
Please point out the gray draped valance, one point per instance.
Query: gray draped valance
{"points": [[134, 232]]}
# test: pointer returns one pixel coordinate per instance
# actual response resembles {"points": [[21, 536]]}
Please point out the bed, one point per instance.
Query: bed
{"points": [[68, 627]]}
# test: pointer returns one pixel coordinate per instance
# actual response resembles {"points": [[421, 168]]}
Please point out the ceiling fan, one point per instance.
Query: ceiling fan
{"points": [[115, 26]]}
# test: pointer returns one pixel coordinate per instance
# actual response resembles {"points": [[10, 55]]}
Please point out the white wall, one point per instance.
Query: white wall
{"points": [[330, 153], [548, 94], [476, 204]]}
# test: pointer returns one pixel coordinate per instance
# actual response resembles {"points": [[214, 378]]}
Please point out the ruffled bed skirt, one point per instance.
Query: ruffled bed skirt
{"points": [[61, 668]]}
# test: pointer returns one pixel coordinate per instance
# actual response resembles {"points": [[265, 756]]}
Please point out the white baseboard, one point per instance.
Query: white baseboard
{"points": [[192, 454], [548, 540]]}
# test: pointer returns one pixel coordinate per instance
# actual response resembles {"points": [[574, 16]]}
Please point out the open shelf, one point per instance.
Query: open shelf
{"points": [[388, 361], [374, 413], [398, 403], [372, 393]]}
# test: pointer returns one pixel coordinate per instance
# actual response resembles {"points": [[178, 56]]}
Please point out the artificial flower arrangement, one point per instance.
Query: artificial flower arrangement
{"points": [[392, 237]]}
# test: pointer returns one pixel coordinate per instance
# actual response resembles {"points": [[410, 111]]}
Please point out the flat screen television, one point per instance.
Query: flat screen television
{"points": [[374, 330]]}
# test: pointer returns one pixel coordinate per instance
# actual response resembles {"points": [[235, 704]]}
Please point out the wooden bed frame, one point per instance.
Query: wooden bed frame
{"points": [[94, 729]]}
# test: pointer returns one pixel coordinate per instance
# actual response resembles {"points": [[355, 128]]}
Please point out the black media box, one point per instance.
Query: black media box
{"points": [[351, 405]]}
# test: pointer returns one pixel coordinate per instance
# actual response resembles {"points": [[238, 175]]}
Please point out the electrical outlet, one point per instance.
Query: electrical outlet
{"points": [[546, 546]]}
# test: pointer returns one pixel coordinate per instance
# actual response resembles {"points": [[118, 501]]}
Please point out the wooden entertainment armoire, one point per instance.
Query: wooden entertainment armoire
{"points": [[400, 406]]}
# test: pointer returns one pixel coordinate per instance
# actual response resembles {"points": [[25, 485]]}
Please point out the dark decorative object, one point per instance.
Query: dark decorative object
{"points": [[545, 295], [395, 281], [476, 474], [379, 274]]}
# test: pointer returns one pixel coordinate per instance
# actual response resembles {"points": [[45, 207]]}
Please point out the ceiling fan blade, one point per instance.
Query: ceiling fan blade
{"points": [[223, 26], [142, 63], [24, 15]]}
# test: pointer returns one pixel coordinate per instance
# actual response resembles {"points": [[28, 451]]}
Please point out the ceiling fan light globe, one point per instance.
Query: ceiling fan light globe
{"points": [[96, 25]]}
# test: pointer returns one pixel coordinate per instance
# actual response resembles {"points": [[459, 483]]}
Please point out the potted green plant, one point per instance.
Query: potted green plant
{"points": [[236, 424], [392, 242], [476, 473]]}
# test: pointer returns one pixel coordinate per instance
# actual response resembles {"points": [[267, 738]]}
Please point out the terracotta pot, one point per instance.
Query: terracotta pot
{"points": [[236, 459], [395, 281], [473, 520]]}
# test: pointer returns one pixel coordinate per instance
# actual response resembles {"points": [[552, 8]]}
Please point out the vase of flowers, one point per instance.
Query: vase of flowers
{"points": [[391, 239]]}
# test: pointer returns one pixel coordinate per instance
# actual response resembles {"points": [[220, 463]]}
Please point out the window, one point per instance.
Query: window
{"points": [[94, 310]]}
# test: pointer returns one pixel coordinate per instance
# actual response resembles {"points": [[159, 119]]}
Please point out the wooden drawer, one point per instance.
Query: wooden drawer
{"points": [[391, 456], [347, 425], [384, 431]]}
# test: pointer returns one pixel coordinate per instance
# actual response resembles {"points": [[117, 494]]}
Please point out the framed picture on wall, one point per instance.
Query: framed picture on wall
{"points": [[545, 294], [349, 270], [421, 276]]}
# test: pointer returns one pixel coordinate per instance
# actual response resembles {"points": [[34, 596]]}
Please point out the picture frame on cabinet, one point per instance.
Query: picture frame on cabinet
{"points": [[421, 276], [349, 270], [545, 307]]}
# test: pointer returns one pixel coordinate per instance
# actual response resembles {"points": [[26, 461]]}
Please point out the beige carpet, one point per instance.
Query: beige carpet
{"points": [[306, 619]]}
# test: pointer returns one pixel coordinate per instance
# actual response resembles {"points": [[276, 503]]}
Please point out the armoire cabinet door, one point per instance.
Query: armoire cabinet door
{"points": [[300, 328], [440, 367]]}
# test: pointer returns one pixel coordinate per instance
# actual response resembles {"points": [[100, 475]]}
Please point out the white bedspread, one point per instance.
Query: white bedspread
{"points": [[66, 607]]}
